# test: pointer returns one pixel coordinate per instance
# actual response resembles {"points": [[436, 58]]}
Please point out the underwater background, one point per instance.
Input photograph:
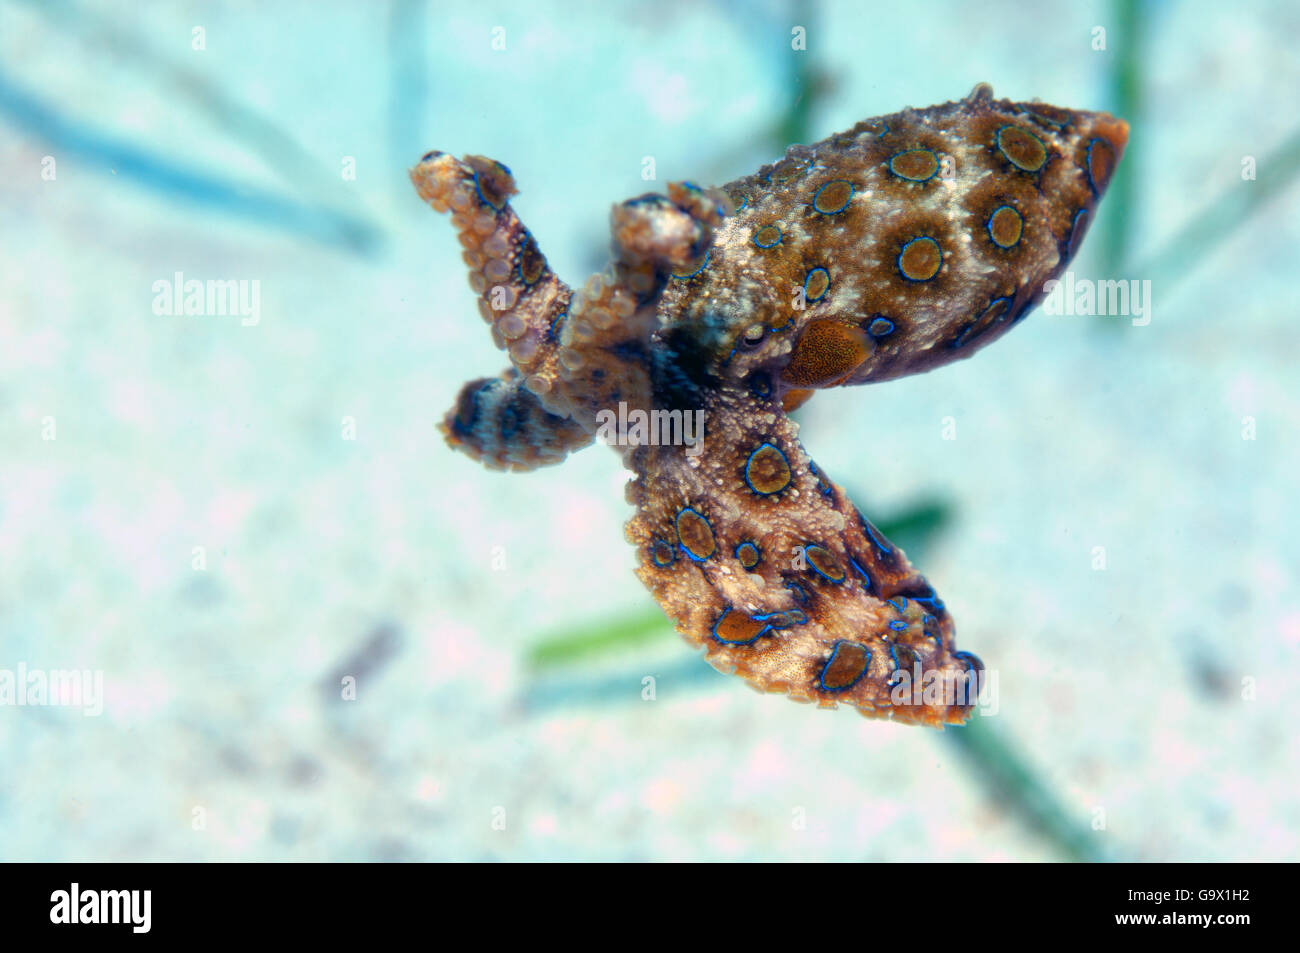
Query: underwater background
{"points": [[324, 635]]}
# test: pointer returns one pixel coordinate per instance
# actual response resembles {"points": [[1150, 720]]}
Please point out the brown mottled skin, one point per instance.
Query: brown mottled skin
{"points": [[907, 242]]}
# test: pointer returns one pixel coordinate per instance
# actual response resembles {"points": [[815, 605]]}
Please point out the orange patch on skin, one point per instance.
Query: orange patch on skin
{"points": [[531, 262], [791, 282], [738, 628], [1005, 227], [821, 560], [767, 470], [1025, 150], [816, 284], [787, 170], [847, 665], [833, 197], [916, 165], [985, 320], [495, 183], [695, 534], [827, 352], [1101, 163], [921, 259], [794, 399], [1052, 115]]}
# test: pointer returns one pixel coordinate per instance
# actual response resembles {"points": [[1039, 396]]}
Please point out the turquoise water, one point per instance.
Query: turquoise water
{"points": [[227, 515]]}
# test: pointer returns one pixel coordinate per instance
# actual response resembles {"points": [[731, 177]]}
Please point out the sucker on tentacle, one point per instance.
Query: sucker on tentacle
{"points": [[905, 243]]}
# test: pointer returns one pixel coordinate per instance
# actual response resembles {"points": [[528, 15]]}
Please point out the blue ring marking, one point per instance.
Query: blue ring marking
{"points": [[880, 327], [1078, 225], [654, 553], [750, 459], [928, 620], [898, 602], [821, 483], [813, 566], [870, 530], [758, 553], [910, 243], [744, 203], [973, 329], [931, 600], [725, 612], [898, 625], [808, 277], [1087, 163], [795, 163], [1046, 119], [989, 227], [973, 667], [682, 546], [816, 195], [553, 332], [899, 671], [775, 620], [908, 178], [483, 198], [780, 236], [893, 653], [529, 240], [704, 264], [1014, 317], [830, 661], [997, 140], [896, 676], [800, 594], [783, 619], [865, 578], [650, 198]]}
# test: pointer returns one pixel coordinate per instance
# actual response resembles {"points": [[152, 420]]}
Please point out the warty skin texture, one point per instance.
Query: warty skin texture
{"points": [[905, 243]]}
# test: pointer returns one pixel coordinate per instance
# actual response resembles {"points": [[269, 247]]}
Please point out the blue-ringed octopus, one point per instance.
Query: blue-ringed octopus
{"points": [[902, 244]]}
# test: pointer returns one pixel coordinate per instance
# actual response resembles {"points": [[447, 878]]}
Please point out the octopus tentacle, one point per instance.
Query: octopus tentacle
{"points": [[503, 425], [605, 345], [519, 295], [766, 564], [897, 246]]}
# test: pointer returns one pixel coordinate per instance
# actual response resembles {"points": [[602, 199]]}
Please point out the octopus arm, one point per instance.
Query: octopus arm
{"points": [[764, 562], [500, 423]]}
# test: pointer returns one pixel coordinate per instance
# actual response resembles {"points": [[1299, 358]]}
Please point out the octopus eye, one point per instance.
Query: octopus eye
{"points": [[753, 335]]}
